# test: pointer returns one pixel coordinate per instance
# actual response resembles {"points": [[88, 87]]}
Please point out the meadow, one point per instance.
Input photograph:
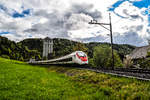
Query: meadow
{"points": [[21, 81]]}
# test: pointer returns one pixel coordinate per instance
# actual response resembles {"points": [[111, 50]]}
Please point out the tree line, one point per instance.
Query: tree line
{"points": [[32, 48]]}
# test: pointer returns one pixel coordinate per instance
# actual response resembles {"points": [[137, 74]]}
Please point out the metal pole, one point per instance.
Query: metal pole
{"points": [[111, 35]]}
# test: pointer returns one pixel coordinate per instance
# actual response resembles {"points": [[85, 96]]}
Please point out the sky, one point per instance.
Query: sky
{"points": [[21, 19]]}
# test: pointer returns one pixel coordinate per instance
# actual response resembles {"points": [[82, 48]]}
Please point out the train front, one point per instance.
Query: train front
{"points": [[81, 58]]}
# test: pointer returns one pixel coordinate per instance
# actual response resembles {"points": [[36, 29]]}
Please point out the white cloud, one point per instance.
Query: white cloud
{"points": [[69, 19], [134, 22]]}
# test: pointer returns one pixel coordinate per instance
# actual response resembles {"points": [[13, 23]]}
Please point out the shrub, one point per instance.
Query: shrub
{"points": [[5, 56], [127, 62], [144, 62], [21, 58], [91, 62], [102, 57], [148, 54]]}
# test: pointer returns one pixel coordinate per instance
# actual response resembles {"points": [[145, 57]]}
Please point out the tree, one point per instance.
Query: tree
{"points": [[4, 50], [148, 41], [80, 47], [102, 57], [148, 54]]}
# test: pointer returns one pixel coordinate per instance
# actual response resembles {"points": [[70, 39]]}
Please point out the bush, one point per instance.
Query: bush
{"points": [[5, 56], [91, 62], [143, 62], [148, 54], [102, 57], [127, 62], [21, 58]]}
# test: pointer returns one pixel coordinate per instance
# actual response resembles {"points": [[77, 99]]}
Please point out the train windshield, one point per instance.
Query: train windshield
{"points": [[81, 54]]}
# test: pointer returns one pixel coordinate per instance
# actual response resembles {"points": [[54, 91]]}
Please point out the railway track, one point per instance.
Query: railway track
{"points": [[133, 70], [79, 57], [144, 77], [140, 74]]}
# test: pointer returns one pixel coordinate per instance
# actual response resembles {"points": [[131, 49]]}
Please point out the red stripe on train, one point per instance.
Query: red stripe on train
{"points": [[82, 58]]}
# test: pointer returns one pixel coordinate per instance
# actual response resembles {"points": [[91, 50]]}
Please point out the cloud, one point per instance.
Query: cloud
{"points": [[69, 19], [86, 9], [131, 36], [60, 23], [132, 28]]}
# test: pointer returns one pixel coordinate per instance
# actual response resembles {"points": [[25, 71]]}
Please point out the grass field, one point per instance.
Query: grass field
{"points": [[20, 81]]}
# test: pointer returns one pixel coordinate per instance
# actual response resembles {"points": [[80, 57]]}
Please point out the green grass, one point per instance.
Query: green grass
{"points": [[20, 81]]}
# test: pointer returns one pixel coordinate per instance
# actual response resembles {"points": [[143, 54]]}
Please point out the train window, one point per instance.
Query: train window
{"points": [[81, 54]]}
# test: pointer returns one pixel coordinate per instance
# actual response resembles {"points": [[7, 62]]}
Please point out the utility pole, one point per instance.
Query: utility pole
{"points": [[111, 35]]}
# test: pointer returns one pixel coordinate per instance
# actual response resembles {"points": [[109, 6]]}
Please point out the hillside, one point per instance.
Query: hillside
{"points": [[20, 81], [32, 48], [68, 46], [13, 50]]}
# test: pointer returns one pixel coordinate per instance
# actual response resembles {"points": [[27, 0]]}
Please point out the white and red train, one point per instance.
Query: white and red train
{"points": [[77, 57]]}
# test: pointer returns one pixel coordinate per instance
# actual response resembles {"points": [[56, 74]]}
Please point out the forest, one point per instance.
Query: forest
{"points": [[32, 48]]}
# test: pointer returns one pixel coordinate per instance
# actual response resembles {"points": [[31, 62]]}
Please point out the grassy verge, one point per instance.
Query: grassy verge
{"points": [[20, 81], [114, 87]]}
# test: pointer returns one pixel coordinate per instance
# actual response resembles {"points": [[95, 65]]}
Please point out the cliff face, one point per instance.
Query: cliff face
{"points": [[140, 52]]}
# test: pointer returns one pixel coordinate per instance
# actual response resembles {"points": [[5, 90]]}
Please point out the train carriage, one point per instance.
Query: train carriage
{"points": [[77, 57]]}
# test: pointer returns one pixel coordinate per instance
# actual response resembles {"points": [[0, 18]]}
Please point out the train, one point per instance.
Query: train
{"points": [[77, 57]]}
